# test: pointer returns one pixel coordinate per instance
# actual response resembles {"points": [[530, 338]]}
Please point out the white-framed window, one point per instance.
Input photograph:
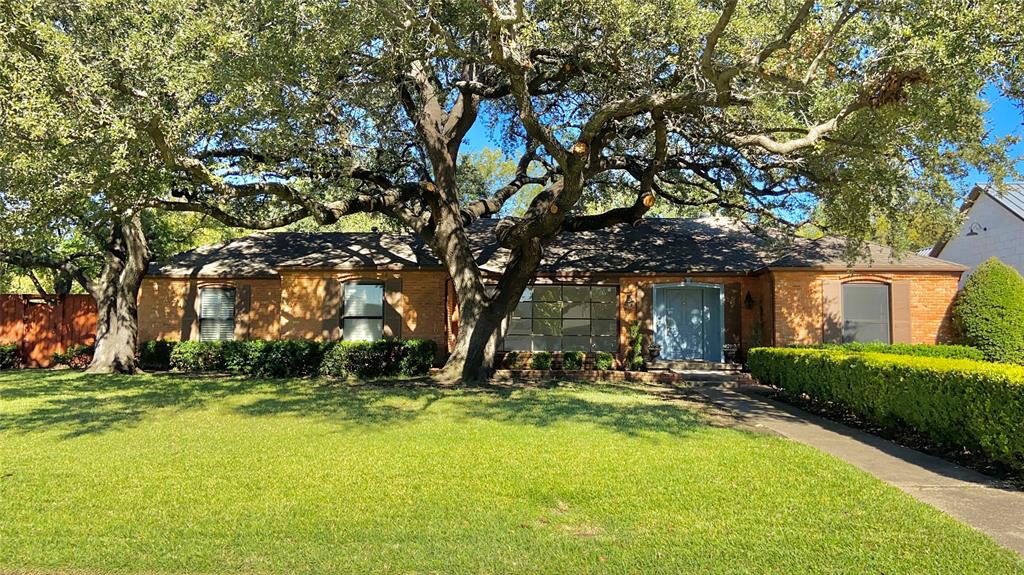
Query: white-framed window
{"points": [[216, 313], [564, 318], [866, 316], [362, 312]]}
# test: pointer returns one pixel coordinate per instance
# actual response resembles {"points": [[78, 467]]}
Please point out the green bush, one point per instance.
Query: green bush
{"points": [[635, 358], [604, 361], [273, 358], [198, 356], [156, 354], [923, 350], [541, 360], [514, 360], [417, 356], [953, 402], [77, 356], [572, 360], [989, 312], [296, 358], [382, 358], [8, 356]]}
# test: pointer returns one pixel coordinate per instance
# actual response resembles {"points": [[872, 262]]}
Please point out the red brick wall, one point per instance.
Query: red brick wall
{"points": [[163, 303], [786, 306], [798, 305]]}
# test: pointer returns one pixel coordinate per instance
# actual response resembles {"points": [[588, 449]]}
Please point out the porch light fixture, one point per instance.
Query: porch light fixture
{"points": [[748, 301], [976, 229]]}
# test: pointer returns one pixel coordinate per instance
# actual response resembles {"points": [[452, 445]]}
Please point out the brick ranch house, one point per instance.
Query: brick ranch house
{"points": [[699, 289]]}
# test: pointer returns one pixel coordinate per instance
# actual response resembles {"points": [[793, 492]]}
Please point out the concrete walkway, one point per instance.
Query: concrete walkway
{"points": [[975, 499]]}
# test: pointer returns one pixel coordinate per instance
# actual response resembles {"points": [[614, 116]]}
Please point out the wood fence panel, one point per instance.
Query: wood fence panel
{"points": [[42, 326]]}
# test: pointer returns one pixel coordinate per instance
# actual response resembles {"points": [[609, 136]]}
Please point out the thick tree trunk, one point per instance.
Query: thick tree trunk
{"points": [[480, 327], [117, 294], [117, 330]]}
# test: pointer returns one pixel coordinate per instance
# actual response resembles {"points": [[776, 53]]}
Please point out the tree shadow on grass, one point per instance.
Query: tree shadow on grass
{"points": [[624, 410], [76, 404]]}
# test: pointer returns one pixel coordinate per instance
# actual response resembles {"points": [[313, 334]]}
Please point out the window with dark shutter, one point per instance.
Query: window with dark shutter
{"points": [[216, 314], [363, 312], [866, 313]]}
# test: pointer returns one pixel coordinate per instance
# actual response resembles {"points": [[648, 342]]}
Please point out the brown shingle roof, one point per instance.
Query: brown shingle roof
{"points": [[669, 246]]}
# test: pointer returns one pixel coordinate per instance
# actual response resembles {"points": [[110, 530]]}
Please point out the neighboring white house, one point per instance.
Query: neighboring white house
{"points": [[994, 226]]}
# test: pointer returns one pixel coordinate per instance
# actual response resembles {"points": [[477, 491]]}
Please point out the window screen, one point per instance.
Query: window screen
{"points": [[363, 317], [866, 312], [564, 318], [216, 314]]}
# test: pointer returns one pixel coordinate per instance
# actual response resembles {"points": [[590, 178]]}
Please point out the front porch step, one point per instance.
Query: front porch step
{"points": [[711, 377], [694, 366]]}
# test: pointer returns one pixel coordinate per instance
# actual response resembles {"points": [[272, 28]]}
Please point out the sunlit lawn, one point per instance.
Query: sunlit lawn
{"points": [[222, 475]]}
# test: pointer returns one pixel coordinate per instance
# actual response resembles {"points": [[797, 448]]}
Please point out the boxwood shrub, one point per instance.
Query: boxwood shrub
{"points": [[541, 360], [949, 351], [8, 356], [989, 312], [156, 355], [363, 359], [604, 361], [198, 356], [293, 358], [572, 360], [953, 402]]}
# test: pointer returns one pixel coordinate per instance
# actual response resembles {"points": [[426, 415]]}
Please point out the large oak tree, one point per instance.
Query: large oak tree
{"points": [[264, 113]]}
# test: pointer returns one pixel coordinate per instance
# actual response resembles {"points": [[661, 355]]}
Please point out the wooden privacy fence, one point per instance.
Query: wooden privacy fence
{"points": [[42, 326]]}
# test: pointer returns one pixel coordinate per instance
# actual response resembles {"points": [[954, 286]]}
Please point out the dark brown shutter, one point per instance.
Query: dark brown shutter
{"points": [[901, 321], [331, 310], [832, 311], [392, 307], [733, 309], [243, 299], [189, 312]]}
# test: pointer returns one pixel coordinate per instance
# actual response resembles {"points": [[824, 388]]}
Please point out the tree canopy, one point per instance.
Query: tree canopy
{"points": [[262, 114]]}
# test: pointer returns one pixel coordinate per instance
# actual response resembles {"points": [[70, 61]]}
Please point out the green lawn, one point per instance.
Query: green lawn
{"points": [[223, 475]]}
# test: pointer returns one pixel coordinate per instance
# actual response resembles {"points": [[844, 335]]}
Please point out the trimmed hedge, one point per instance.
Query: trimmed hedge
{"points": [[541, 360], [989, 312], [604, 361], [8, 356], [293, 358], [923, 350], [156, 355], [572, 360], [364, 359], [198, 356], [953, 402]]}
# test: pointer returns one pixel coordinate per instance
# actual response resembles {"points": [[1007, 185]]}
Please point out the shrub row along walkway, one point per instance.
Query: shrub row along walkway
{"points": [[975, 499]]}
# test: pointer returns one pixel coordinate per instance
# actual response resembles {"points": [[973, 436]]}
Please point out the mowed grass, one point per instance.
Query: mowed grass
{"points": [[221, 475]]}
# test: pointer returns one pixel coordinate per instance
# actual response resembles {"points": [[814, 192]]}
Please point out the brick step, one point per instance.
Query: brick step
{"points": [[695, 366]]}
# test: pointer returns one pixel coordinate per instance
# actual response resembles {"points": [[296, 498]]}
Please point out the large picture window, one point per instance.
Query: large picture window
{"points": [[866, 313], [564, 318], [363, 312], [216, 314]]}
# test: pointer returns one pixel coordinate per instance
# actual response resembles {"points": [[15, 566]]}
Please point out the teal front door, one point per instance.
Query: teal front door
{"points": [[687, 323]]}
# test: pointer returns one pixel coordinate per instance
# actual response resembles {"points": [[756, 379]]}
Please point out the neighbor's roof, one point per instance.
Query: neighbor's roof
{"points": [[1011, 197], [667, 246]]}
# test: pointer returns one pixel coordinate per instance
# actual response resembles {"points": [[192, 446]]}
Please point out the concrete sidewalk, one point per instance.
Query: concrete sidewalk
{"points": [[975, 499]]}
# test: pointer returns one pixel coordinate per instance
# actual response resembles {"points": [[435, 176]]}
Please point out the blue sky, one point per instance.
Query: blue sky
{"points": [[1004, 119]]}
